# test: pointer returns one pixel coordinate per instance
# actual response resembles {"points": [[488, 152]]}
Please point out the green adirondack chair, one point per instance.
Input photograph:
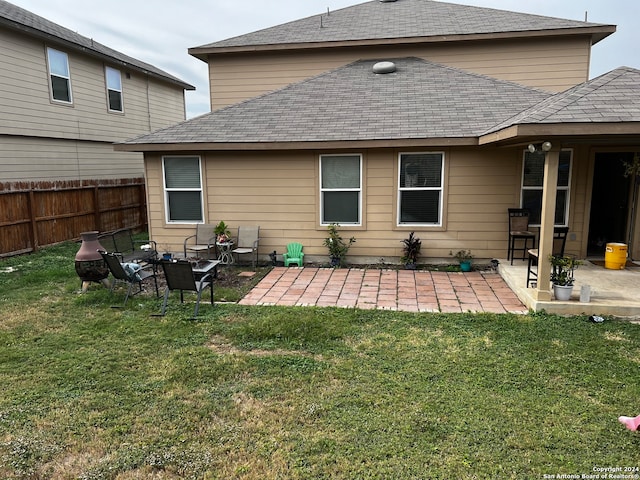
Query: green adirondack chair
{"points": [[294, 254]]}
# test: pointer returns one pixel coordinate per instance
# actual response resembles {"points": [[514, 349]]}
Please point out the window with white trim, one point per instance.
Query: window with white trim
{"points": [[59, 76], [340, 189], [114, 89], [420, 188], [532, 181], [183, 189]]}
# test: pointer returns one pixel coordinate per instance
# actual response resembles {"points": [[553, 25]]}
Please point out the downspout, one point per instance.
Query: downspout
{"points": [[149, 103], [547, 221]]}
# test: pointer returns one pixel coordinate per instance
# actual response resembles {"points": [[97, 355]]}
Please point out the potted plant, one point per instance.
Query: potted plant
{"points": [[464, 258], [337, 247], [166, 252], [562, 268], [222, 232], [411, 251]]}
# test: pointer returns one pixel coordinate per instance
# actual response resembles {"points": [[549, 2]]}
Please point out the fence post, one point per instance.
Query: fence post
{"points": [[142, 193], [96, 208], [35, 241]]}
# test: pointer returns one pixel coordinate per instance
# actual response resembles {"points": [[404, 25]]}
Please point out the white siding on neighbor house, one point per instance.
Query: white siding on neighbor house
{"points": [[552, 64], [31, 120]]}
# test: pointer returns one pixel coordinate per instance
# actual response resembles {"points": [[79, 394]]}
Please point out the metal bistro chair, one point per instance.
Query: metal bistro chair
{"points": [[123, 273], [203, 241], [179, 276], [559, 242], [294, 254], [248, 239], [519, 231]]}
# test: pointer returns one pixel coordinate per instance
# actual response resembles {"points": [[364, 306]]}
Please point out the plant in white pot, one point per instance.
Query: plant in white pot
{"points": [[562, 268]]}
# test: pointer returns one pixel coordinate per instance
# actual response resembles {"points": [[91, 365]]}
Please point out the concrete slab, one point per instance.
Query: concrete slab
{"points": [[613, 292]]}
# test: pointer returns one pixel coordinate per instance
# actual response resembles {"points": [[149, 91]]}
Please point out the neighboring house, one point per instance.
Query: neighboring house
{"points": [[304, 134], [65, 99]]}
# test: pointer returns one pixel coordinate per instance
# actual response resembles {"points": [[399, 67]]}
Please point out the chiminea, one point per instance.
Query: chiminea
{"points": [[90, 266]]}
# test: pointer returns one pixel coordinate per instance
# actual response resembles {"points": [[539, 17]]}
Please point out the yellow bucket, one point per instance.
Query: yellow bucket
{"points": [[615, 256]]}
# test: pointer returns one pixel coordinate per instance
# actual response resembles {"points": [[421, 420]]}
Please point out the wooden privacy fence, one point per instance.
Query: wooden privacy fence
{"points": [[36, 214]]}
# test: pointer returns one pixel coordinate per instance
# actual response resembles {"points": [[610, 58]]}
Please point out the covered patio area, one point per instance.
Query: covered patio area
{"points": [[613, 292]]}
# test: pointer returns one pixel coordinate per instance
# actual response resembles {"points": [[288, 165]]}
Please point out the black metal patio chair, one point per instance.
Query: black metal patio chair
{"points": [[122, 272], [179, 275], [559, 242]]}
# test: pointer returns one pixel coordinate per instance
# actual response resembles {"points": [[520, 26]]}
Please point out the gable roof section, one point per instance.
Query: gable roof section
{"points": [[421, 100], [612, 98], [19, 19], [403, 21]]}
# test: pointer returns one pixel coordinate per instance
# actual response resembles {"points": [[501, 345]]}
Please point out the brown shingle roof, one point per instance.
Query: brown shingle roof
{"points": [[610, 98], [403, 19], [16, 18], [351, 103]]}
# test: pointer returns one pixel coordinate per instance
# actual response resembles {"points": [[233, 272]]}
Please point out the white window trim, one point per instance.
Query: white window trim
{"points": [[51, 74], [405, 189], [567, 188], [358, 189], [108, 88], [167, 190]]}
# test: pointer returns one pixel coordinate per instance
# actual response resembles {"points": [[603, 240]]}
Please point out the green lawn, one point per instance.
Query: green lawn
{"points": [[91, 392]]}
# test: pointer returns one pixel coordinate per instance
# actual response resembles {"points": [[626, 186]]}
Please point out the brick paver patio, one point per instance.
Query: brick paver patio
{"points": [[405, 290]]}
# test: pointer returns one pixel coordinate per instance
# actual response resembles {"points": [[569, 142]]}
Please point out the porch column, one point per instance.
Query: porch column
{"points": [[547, 221]]}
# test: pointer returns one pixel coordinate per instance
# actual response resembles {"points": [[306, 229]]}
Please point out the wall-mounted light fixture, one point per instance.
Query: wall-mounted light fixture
{"points": [[544, 147]]}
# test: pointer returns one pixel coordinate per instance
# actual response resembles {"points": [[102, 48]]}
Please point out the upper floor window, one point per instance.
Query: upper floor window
{"points": [[114, 89], [59, 75], [340, 189], [183, 189], [420, 188], [532, 181]]}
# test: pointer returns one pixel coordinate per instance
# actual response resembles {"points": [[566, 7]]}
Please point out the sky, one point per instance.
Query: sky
{"points": [[160, 32]]}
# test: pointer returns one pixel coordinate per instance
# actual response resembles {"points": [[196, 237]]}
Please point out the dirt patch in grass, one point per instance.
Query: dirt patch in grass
{"points": [[229, 277], [222, 346]]}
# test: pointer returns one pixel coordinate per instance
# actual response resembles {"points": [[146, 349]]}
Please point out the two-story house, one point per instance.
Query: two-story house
{"points": [[65, 99], [395, 116]]}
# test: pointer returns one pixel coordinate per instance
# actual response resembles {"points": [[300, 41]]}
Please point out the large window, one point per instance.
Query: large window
{"points": [[340, 189], [59, 75], [114, 89], [183, 189], [420, 188], [532, 178]]}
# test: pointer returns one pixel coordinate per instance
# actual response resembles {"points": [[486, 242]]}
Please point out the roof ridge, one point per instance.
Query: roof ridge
{"points": [[565, 100], [574, 94], [376, 21]]}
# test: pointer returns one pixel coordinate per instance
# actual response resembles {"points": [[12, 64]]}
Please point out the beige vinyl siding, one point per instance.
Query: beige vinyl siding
{"points": [[23, 158], [279, 192], [26, 105], [552, 64], [78, 137], [166, 105]]}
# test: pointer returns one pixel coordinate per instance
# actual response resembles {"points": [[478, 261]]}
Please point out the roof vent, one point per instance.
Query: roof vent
{"points": [[384, 67]]}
